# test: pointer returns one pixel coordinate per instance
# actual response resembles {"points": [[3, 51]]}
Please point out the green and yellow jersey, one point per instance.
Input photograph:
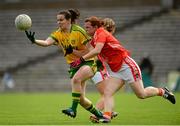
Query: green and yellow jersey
{"points": [[77, 38]]}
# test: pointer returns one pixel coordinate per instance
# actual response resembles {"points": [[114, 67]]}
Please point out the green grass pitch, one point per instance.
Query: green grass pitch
{"points": [[45, 109]]}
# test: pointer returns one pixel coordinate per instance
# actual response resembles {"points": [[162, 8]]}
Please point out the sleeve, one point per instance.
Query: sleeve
{"points": [[100, 37], [53, 35], [84, 37]]}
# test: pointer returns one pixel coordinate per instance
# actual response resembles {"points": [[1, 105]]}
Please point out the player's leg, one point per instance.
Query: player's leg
{"points": [[99, 83], [87, 104], [84, 102], [100, 102], [147, 92], [80, 76], [98, 80], [142, 92], [112, 86], [134, 78], [84, 73]]}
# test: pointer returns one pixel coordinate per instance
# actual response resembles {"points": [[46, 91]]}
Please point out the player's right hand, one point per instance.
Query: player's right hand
{"points": [[77, 63], [30, 36]]}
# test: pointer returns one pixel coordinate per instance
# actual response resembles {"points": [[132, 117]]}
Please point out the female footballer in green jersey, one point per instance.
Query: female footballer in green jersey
{"points": [[72, 39], [101, 74]]}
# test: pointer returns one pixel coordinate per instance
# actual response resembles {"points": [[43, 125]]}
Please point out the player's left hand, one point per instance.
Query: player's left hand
{"points": [[77, 63], [30, 36], [68, 50]]}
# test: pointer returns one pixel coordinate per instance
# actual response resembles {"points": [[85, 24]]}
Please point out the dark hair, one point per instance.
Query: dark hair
{"points": [[66, 14], [75, 14], [95, 21]]}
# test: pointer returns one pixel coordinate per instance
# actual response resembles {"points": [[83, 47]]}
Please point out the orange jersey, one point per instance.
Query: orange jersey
{"points": [[112, 52]]}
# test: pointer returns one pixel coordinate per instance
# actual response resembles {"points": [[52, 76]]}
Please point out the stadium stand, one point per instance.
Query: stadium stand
{"points": [[43, 69], [16, 41], [158, 37]]}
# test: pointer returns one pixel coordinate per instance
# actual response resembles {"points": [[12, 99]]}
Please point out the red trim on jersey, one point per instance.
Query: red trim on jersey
{"points": [[102, 75], [134, 68]]}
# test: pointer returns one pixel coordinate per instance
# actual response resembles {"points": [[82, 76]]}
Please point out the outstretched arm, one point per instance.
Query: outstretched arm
{"points": [[31, 36], [49, 41]]}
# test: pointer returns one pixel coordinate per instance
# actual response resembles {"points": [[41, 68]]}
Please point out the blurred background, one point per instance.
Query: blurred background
{"points": [[149, 29]]}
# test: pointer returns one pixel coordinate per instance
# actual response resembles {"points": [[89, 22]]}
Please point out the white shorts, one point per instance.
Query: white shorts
{"points": [[129, 72], [99, 76]]}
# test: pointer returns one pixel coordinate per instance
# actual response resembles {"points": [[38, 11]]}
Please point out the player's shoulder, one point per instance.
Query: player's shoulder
{"points": [[77, 28], [54, 34], [101, 29], [56, 30]]}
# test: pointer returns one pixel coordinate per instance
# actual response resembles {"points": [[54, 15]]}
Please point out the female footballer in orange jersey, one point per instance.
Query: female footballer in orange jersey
{"points": [[72, 39], [122, 68], [98, 80]]}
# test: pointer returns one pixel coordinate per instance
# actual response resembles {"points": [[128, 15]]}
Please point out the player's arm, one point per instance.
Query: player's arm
{"points": [[88, 47], [49, 41], [82, 52], [94, 51]]}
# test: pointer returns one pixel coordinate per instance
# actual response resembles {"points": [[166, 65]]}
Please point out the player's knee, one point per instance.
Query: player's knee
{"points": [[141, 96], [76, 80], [108, 93]]}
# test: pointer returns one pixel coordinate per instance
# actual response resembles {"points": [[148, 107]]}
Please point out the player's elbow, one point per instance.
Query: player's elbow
{"points": [[47, 43], [97, 51]]}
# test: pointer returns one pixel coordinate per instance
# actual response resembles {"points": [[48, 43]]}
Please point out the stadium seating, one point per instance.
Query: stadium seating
{"points": [[14, 42], [160, 39], [52, 73]]}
